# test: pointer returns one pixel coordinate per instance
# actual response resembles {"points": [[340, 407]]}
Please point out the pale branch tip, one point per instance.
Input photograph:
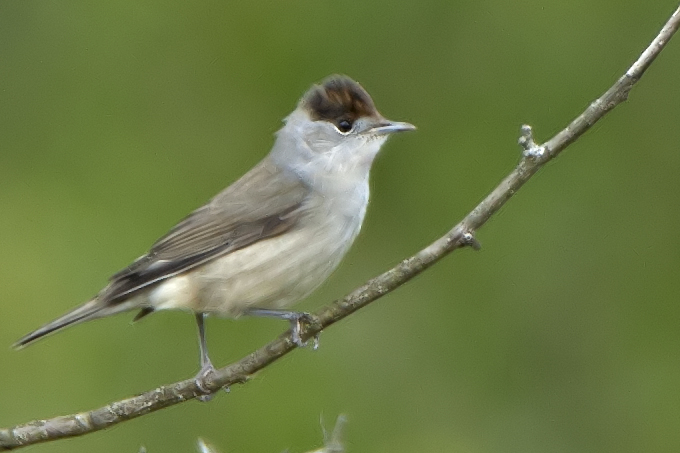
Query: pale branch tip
{"points": [[461, 235], [530, 148], [332, 443]]}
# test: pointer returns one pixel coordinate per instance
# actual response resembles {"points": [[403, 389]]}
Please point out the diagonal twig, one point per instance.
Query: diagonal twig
{"points": [[533, 158]]}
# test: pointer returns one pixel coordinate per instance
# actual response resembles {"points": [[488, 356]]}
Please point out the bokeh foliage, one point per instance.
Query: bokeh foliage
{"points": [[561, 335]]}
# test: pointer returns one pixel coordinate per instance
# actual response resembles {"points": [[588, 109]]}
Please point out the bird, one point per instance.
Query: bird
{"points": [[270, 238]]}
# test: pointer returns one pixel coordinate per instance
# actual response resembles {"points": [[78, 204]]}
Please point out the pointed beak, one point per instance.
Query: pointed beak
{"points": [[388, 127]]}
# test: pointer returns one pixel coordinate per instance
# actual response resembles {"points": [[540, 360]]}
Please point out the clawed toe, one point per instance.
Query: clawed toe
{"points": [[200, 381], [296, 320]]}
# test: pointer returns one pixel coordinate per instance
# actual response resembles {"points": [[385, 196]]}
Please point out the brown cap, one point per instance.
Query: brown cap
{"points": [[338, 98]]}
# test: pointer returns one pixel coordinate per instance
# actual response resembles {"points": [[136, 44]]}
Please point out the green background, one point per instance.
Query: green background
{"points": [[561, 335]]}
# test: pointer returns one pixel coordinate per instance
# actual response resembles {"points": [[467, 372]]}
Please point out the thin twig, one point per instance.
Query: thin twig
{"points": [[533, 158]]}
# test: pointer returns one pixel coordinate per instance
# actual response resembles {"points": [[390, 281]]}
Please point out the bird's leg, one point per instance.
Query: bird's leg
{"points": [[206, 365], [293, 317]]}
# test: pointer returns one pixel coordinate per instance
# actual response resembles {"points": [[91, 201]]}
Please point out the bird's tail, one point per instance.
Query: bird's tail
{"points": [[89, 310]]}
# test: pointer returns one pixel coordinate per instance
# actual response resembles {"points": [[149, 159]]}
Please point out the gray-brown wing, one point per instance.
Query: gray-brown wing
{"points": [[264, 203]]}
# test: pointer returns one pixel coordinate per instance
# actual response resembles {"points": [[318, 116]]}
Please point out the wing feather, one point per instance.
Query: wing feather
{"points": [[264, 203]]}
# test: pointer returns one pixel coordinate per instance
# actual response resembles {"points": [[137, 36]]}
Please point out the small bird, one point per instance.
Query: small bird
{"points": [[273, 236]]}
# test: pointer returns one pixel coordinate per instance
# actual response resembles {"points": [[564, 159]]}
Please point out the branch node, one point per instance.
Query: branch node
{"points": [[468, 238], [526, 140]]}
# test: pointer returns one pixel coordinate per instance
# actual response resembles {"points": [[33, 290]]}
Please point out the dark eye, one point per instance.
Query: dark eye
{"points": [[344, 125]]}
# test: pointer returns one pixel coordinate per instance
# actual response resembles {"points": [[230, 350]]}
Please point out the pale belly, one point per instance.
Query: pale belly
{"points": [[273, 273]]}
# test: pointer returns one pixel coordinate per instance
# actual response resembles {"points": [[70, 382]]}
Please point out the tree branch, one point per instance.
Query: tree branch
{"points": [[533, 158]]}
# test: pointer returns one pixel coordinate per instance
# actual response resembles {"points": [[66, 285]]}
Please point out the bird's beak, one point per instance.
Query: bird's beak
{"points": [[388, 127]]}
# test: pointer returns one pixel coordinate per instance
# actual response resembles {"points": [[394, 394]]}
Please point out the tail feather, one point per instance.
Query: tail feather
{"points": [[89, 310]]}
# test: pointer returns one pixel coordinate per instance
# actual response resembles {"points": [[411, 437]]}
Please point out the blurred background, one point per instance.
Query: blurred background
{"points": [[560, 335]]}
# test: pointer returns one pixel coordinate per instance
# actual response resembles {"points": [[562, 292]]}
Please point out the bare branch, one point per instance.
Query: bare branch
{"points": [[534, 157]]}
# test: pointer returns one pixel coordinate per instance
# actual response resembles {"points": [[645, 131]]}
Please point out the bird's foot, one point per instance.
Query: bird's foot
{"points": [[204, 375], [202, 379], [295, 318]]}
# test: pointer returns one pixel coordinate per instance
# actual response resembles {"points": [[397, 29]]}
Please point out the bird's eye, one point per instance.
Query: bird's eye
{"points": [[344, 125]]}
